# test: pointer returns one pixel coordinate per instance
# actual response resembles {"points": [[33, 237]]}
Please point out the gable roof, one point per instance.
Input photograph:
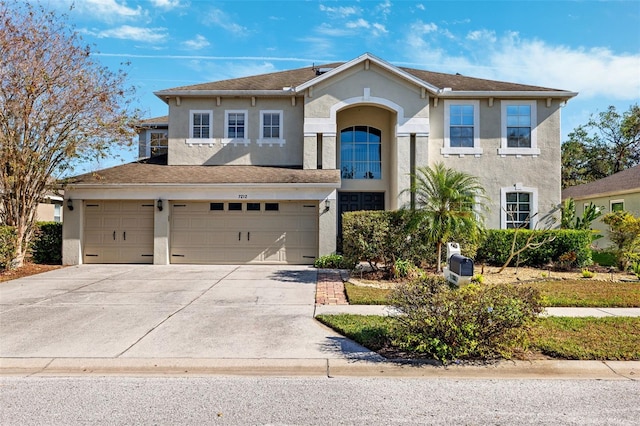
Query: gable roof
{"points": [[622, 182], [155, 170], [292, 82]]}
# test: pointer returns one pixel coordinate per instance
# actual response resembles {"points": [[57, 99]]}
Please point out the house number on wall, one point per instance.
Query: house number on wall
{"points": [[242, 196]]}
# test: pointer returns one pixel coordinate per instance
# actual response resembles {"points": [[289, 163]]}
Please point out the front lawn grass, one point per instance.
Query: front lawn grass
{"points": [[364, 295], [588, 293], [611, 338], [576, 293]]}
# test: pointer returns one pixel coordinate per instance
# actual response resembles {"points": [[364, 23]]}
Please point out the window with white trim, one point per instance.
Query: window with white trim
{"points": [[461, 128], [518, 128], [200, 124], [235, 125], [271, 127], [616, 205], [361, 153], [519, 207], [158, 143]]}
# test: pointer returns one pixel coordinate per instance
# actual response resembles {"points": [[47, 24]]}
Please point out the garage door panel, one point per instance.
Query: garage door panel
{"points": [[118, 231], [244, 236]]}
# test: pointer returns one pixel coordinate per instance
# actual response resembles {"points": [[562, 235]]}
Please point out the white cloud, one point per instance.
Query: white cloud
{"points": [[109, 10], [166, 4], [384, 8], [594, 72], [482, 35], [420, 6], [199, 42], [340, 12], [220, 19], [214, 71], [360, 23], [127, 32]]}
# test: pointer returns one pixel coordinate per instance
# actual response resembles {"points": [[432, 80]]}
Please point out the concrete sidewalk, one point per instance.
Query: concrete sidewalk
{"points": [[553, 312]]}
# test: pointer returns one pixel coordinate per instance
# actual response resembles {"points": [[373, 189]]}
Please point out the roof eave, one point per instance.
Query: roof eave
{"points": [[603, 194], [72, 186], [506, 94], [164, 94]]}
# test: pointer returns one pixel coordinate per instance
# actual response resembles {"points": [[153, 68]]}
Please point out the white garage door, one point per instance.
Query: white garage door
{"points": [[118, 231], [244, 232]]}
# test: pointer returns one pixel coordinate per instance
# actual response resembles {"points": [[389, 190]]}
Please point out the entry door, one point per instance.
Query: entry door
{"points": [[356, 201], [118, 231]]}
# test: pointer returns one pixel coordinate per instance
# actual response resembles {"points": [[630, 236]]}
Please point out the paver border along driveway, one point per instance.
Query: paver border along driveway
{"points": [[172, 311]]}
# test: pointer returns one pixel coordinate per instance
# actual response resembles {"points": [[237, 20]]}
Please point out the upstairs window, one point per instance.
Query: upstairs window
{"points": [[518, 135], [461, 128], [158, 143], [200, 126], [360, 153], [519, 126], [271, 123], [235, 126]]}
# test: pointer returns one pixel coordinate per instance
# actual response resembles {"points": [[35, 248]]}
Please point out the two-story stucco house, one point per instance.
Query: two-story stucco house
{"points": [[259, 169]]}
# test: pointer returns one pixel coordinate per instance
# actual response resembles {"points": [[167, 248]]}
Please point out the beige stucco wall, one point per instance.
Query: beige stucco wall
{"points": [[541, 172], [631, 202], [221, 152]]}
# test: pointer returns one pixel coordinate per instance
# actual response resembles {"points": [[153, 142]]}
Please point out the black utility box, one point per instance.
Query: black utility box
{"points": [[461, 265]]}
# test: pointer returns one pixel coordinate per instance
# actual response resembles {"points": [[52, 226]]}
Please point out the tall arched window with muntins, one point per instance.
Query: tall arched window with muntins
{"points": [[360, 153]]}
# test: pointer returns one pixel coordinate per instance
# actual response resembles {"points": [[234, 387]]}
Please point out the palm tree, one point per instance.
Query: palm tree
{"points": [[449, 202]]}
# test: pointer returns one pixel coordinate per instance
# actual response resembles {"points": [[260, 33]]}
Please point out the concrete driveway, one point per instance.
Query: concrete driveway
{"points": [[173, 311]]}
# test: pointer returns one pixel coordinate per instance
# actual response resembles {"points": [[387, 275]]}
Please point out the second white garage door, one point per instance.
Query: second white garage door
{"points": [[244, 232]]}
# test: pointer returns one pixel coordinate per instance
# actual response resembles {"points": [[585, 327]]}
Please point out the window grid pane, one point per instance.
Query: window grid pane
{"points": [[200, 125], [271, 125], [360, 153], [518, 210], [235, 127], [519, 126], [461, 126]]}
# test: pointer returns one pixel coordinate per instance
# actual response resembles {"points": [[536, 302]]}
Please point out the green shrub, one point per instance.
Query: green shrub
{"points": [[332, 261], [46, 246], [571, 247], [471, 322], [8, 246], [382, 237]]}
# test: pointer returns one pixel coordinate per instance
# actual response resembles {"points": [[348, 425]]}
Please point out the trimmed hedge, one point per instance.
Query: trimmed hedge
{"points": [[569, 248], [46, 247], [384, 237], [8, 246]]}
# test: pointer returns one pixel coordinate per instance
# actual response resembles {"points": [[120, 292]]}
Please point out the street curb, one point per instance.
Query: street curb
{"points": [[154, 367]]}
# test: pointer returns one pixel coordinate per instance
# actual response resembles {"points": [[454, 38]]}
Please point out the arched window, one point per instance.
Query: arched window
{"points": [[360, 153]]}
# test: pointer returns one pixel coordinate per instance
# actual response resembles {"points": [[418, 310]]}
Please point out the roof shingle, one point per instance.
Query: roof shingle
{"points": [[624, 181]]}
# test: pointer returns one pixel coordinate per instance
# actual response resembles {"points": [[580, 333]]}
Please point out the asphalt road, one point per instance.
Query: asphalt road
{"points": [[315, 401]]}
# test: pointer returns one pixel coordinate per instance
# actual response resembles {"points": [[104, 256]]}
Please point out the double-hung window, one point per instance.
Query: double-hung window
{"points": [[461, 128], [271, 128], [519, 134], [200, 125], [158, 143], [519, 207], [235, 125]]}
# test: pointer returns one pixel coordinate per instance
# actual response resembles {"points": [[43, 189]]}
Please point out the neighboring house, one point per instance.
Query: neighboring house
{"points": [[50, 209], [153, 137], [259, 169], [620, 191]]}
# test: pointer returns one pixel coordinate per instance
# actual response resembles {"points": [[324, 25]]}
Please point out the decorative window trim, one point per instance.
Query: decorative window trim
{"points": [[504, 150], [447, 150], [208, 139], [533, 218], [235, 141], [271, 141]]}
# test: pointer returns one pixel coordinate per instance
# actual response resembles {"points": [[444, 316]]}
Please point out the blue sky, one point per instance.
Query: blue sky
{"points": [[591, 47]]}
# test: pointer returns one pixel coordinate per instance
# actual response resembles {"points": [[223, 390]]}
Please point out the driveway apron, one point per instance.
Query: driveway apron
{"points": [[168, 311]]}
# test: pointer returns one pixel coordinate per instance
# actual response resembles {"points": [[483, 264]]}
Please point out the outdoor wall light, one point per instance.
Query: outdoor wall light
{"points": [[159, 204], [327, 204], [70, 204]]}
